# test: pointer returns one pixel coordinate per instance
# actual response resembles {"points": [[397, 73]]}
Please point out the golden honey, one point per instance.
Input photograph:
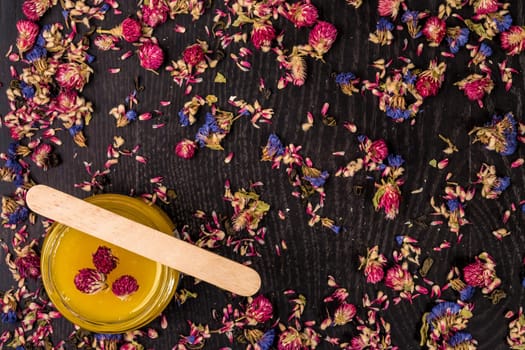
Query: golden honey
{"points": [[65, 251]]}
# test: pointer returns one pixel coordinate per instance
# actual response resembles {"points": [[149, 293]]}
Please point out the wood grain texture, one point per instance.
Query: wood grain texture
{"points": [[313, 253]]}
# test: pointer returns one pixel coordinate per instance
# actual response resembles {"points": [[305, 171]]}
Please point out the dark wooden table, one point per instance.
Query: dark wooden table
{"points": [[313, 253]]}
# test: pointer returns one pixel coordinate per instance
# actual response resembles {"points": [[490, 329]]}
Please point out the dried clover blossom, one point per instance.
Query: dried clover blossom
{"points": [[124, 286], [90, 281]]}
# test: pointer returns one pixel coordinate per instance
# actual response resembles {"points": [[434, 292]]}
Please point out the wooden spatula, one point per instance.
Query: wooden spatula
{"points": [[143, 240]]}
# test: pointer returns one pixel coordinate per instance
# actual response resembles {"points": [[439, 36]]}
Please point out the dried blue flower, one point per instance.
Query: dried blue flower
{"points": [[411, 19], [459, 340], [36, 53], [131, 115], [503, 23], [442, 309], [499, 135], [19, 215], [104, 8], [76, 128], [409, 78], [266, 341], [395, 160], [467, 293], [318, 181], [108, 336], [384, 25], [344, 78], [502, 184], [452, 204], [398, 114], [184, 118], [457, 38], [273, 148], [28, 91], [9, 317]]}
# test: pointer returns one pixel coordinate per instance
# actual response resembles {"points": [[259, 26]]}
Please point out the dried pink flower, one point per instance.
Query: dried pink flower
{"points": [[186, 149], [259, 310], [262, 35], [344, 314], [193, 54], [104, 260], [27, 34], [377, 150], [28, 264], [513, 40], [475, 87], [124, 286], [290, 339], [373, 265], [72, 76], [34, 9], [155, 12], [399, 278], [429, 81], [302, 13], [151, 56], [388, 198], [434, 30], [40, 155], [131, 30], [387, 8], [482, 273], [483, 7], [322, 37], [90, 281]]}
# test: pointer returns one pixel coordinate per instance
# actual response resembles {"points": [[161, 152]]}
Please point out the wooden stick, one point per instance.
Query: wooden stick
{"points": [[143, 240]]}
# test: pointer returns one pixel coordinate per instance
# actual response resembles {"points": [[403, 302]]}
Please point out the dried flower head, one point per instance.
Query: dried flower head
{"points": [[90, 281], [193, 54], [373, 265], [475, 87], [151, 56], [513, 40], [34, 9], [124, 286], [258, 310], [430, 80], [104, 260], [154, 12], [499, 135], [27, 34], [482, 273], [321, 38], [263, 33], [434, 30], [185, 149], [302, 13]]}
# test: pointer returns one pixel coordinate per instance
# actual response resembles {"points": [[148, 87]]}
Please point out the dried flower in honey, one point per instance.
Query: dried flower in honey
{"points": [[90, 281], [124, 286], [104, 260], [499, 135]]}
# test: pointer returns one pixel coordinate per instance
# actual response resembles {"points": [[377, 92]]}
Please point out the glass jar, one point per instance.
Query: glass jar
{"points": [[65, 251]]}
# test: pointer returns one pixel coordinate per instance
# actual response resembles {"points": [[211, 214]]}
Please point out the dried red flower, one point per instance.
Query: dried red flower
{"points": [[259, 310], [34, 9], [28, 265], [151, 56], [90, 281], [475, 87], [186, 149], [434, 30], [429, 81], [377, 151], [155, 12], [322, 37], [482, 273], [262, 35], [40, 155], [72, 76], [27, 34], [302, 13], [131, 30], [193, 54], [513, 40], [387, 8], [104, 260], [124, 286]]}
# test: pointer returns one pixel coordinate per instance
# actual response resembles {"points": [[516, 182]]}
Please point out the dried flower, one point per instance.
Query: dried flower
{"points": [[274, 148], [482, 273], [373, 265], [301, 14], [124, 286], [516, 336], [290, 339], [347, 82], [263, 33], [321, 38], [154, 12], [411, 19], [193, 54], [434, 30], [483, 7], [499, 135], [73, 75], [27, 262], [388, 198], [259, 310], [90, 281], [185, 149], [475, 87], [429, 81], [27, 34], [443, 323], [457, 37], [151, 56], [104, 260], [513, 40], [34, 9], [383, 33], [399, 278], [493, 185]]}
